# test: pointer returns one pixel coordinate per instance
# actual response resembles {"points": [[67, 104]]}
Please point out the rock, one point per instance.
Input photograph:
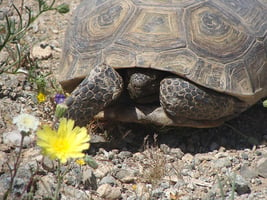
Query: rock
{"points": [[172, 178], [41, 51], [3, 159], [46, 186], [258, 153], [106, 191], [180, 183], [71, 193], [256, 181], [89, 180], [20, 182], [55, 31], [74, 177], [103, 169], [108, 180], [12, 85], [54, 43], [204, 157], [138, 156], [241, 185], [104, 153], [19, 186], [164, 185], [124, 175], [191, 186], [177, 152], [171, 193], [157, 193], [4, 184], [141, 191], [185, 172], [125, 154], [222, 149], [14, 138], [247, 172], [97, 139], [262, 167], [244, 156], [221, 155], [188, 158], [222, 162], [165, 148]]}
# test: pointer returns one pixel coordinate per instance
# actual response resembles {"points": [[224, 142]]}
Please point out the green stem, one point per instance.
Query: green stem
{"points": [[59, 181]]}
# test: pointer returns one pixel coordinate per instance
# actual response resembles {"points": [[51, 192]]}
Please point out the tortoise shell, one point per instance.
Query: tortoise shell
{"points": [[218, 44]]}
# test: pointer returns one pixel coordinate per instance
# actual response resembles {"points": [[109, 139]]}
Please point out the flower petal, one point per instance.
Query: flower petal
{"points": [[67, 142]]}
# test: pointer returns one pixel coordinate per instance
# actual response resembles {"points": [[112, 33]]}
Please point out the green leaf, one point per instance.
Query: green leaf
{"points": [[63, 8], [90, 161]]}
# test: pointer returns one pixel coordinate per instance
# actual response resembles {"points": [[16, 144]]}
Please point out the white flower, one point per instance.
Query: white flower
{"points": [[26, 122]]}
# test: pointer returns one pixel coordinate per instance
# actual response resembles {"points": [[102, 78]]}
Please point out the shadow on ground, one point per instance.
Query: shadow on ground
{"points": [[245, 131]]}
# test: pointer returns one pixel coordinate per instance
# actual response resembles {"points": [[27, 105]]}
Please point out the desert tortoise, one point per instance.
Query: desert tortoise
{"points": [[169, 62]]}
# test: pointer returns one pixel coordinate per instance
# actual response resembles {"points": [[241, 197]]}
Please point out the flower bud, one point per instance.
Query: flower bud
{"points": [[61, 110], [90, 161]]}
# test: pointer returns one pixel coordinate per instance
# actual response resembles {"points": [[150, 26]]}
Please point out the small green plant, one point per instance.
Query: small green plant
{"points": [[13, 31], [222, 183], [15, 49]]}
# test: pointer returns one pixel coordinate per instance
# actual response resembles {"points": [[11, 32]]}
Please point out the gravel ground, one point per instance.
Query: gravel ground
{"points": [[134, 161]]}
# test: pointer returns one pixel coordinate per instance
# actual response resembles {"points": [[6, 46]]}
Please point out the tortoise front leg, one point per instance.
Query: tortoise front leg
{"points": [[101, 87]]}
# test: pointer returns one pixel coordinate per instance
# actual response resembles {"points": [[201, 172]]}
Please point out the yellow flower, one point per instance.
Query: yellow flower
{"points": [[67, 142], [80, 161], [41, 97], [134, 187]]}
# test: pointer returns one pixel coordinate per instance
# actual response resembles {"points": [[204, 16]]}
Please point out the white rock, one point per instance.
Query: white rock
{"points": [[103, 169], [108, 192], [188, 158], [14, 138], [41, 52]]}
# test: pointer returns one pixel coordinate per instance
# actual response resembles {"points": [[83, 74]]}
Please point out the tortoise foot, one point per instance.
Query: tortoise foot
{"points": [[183, 99], [101, 87]]}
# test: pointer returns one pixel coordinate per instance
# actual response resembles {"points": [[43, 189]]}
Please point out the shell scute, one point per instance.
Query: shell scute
{"points": [[215, 34], [153, 29]]}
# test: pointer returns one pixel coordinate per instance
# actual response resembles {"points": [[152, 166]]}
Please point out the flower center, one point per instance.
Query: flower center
{"points": [[27, 122], [61, 145]]}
